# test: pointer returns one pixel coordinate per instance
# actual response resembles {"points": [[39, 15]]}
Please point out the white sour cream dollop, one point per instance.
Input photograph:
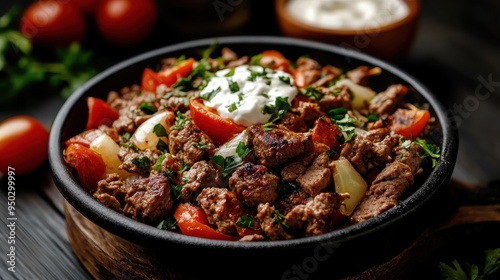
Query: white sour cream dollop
{"points": [[241, 93], [348, 14]]}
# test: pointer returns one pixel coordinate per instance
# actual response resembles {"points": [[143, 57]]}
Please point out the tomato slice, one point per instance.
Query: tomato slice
{"points": [[170, 76], [409, 122], [149, 80], [193, 221], [274, 60], [208, 120], [88, 164], [100, 113]]}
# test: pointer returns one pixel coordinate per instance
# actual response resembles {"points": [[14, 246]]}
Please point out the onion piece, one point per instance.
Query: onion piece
{"points": [[361, 95], [348, 180], [108, 149], [145, 137], [229, 148]]}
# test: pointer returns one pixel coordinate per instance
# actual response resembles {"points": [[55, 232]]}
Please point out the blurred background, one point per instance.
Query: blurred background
{"points": [[455, 53]]}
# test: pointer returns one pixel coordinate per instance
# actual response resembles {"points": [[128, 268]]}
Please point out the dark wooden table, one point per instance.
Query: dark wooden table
{"points": [[456, 54]]}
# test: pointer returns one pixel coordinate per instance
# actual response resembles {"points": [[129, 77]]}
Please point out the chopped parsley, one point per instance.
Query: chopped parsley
{"points": [[180, 121], [278, 110], [162, 146], [232, 107], [430, 151], [231, 72], [231, 163], [159, 162], [176, 191], [233, 86], [255, 60], [345, 122], [211, 94], [126, 136], [280, 218], [313, 93], [169, 223], [148, 108], [201, 145], [372, 118], [245, 221], [285, 79], [142, 162], [159, 130]]}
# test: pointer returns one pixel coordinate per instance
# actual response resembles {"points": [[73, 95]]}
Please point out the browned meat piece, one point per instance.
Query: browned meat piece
{"points": [[293, 122], [335, 98], [292, 170], [149, 199], [386, 102], [111, 192], [369, 150], [201, 175], [228, 54], [317, 177], [409, 156], [288, 201], [190, 144], [124, 124], [383, 121], [137, 161], [270, 225], [317, 216], [273, 148], [309, 112], [329, 74], [360, 74], [174, 99], [254, 184], [385, 191], [222, 208]]}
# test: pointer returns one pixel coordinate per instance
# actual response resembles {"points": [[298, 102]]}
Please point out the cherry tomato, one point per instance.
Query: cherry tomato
{"points": [[100, 113], [23, 144], [193, 221], [409, 123], [275, 60], [89, 165], [126, 22], [208, 120], [53, 23]]}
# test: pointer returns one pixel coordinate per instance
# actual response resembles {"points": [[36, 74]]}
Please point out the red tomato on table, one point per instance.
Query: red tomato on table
{"points": [[23, 144], [53, 23], [126, 22]]}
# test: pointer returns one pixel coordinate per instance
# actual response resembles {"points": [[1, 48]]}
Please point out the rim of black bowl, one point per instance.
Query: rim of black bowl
{"points": [[141, 233]]}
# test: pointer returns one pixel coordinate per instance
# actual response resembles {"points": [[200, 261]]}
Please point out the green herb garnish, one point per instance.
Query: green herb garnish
{"points": [[245, 221], [142, 162], [430, 151], [169, 223], [211, 94], [469, 271], [180, 121]]}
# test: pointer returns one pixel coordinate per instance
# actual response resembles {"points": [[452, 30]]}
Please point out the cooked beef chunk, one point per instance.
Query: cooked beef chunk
{"points": [[254, 184], [174, 99], [294, 122], [409, 156], [201, 175], [359, 74], [317, 177], [190, 144], [386, 102], [228, 54], [269, 223], [137, 161], [149, 199], [385, 191], [222, 208], [274, 147], [328, 74], [317, 216], [111, 192], [309, 112], [252, 237], [296, 167], [369, 150], [336, 98], [289, 201]]}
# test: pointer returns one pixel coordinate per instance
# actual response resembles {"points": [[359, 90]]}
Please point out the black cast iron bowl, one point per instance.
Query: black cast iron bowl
{"points": [[156, 253]]}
